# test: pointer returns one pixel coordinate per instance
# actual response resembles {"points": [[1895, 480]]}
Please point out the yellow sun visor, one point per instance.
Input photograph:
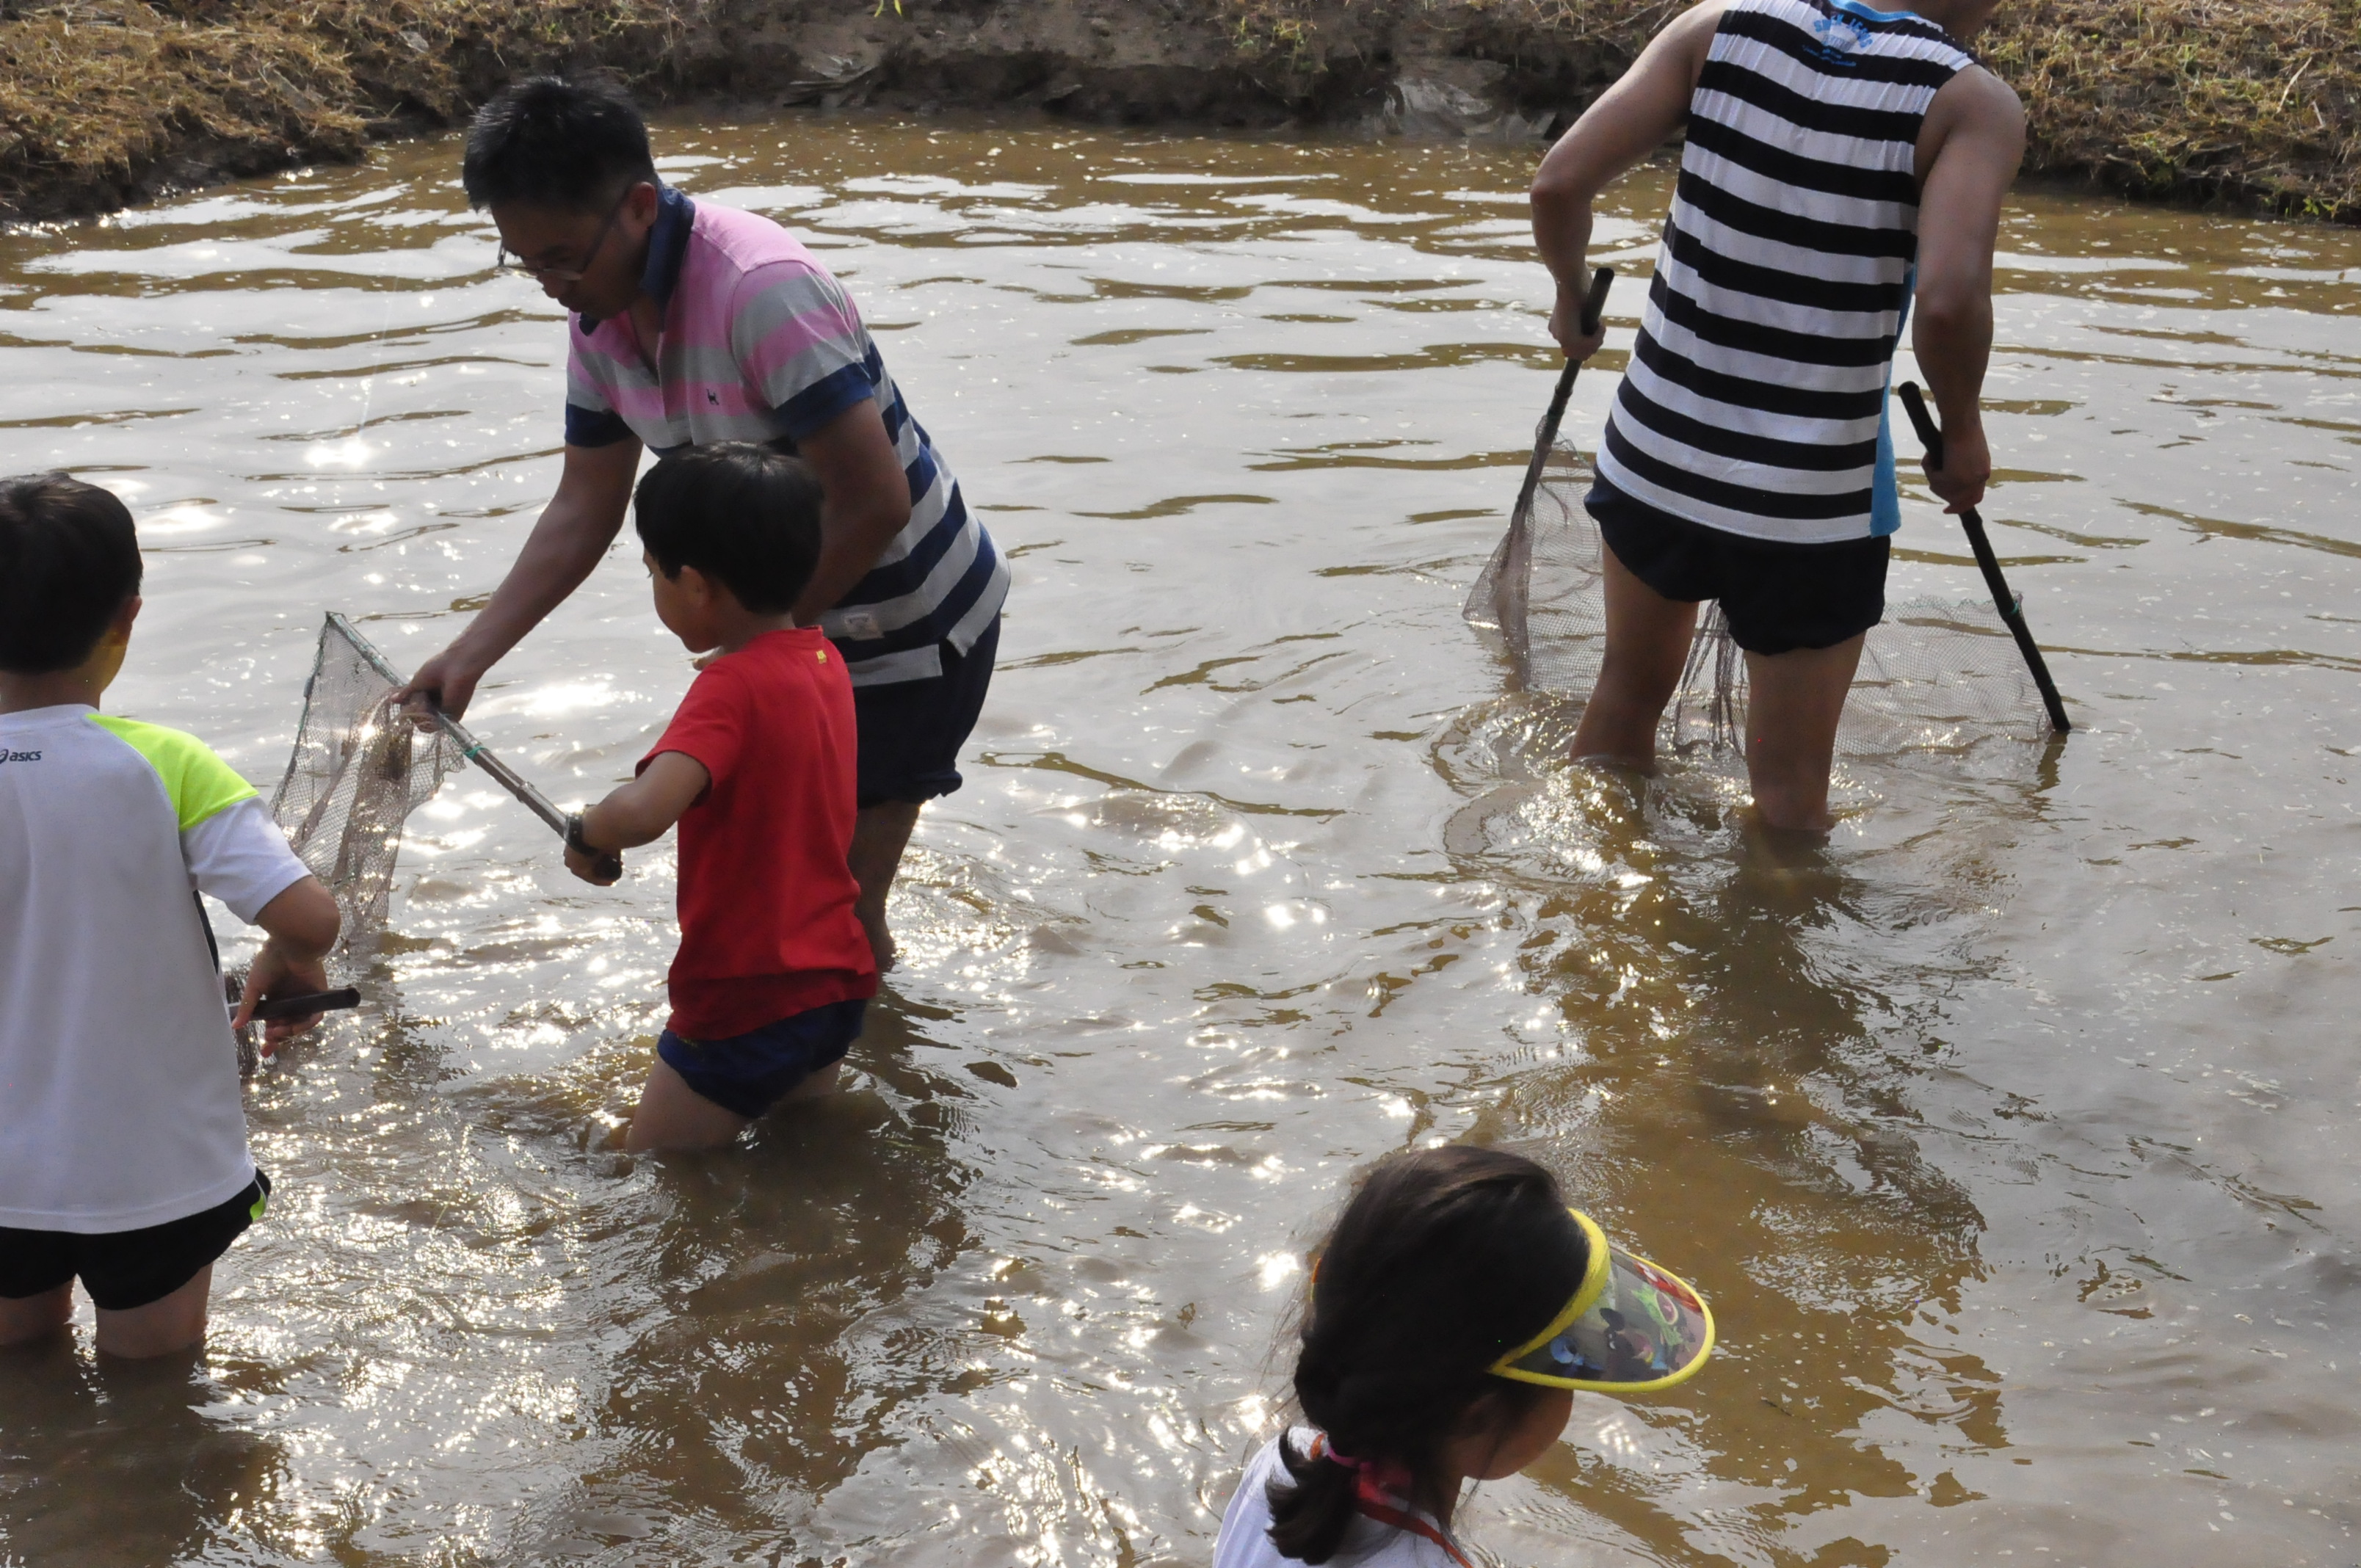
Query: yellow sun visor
{"points": [[1631, 1329]]}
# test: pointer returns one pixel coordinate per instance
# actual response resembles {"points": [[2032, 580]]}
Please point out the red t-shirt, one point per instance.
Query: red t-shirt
{"points": [[767, 927]]}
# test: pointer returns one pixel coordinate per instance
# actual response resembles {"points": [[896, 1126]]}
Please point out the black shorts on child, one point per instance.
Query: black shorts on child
{"points": [[1777, 596], [124, 1269], [750, 1073]]}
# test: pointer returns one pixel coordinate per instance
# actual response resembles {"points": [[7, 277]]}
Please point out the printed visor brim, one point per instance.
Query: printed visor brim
{"points": [[1647, 1329]]}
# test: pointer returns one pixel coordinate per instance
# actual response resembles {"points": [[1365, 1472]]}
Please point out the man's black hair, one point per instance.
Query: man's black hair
{"points": [[69, 560], [745, 515], [549, 142]]}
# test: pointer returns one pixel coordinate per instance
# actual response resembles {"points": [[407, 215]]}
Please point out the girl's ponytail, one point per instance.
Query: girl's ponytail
{"points": [[1309, 1515], [1443, 1261]]}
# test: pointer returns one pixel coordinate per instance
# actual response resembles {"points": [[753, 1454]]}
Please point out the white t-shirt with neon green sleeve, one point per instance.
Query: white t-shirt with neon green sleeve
{"points": [[119, 1098]]}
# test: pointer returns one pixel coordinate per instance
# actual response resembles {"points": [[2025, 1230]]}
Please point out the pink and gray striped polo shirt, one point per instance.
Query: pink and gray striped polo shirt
{"points": [[760, 343]]}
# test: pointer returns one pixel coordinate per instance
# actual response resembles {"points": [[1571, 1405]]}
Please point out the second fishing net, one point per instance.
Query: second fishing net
{"points": [[1938, 676]]}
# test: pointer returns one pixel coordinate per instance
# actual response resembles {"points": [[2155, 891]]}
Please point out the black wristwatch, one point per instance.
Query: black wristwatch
{"points": [[607, 863]]}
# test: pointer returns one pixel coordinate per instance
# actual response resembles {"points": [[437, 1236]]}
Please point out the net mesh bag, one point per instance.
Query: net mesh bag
{"points": [[359, 770], [1938, 676]]}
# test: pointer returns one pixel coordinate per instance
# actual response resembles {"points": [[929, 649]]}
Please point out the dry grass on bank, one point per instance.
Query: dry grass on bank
{"points": [[2252, 102], [2255, 103], [101, 99]]}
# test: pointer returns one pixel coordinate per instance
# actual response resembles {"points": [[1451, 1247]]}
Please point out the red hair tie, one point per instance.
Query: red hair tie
{"points": [[1380, 1480]]}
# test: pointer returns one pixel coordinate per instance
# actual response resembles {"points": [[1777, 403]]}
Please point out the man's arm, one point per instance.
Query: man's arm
{"points": [[641, 812], [573, 531], [1630, 121], [1975, 136], [866, 503]]}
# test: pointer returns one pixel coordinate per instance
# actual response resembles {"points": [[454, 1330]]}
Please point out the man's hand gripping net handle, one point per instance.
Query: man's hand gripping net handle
{"points": [[476, 752]]}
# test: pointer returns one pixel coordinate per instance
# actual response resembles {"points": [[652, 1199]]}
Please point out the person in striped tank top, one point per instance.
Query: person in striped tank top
{"points": [[691, 324], [1844, 166]]}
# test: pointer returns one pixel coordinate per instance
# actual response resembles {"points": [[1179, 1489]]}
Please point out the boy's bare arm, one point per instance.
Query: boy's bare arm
{"points": [[1975, 135], [641, 812], [301, 923], [1629, 120]]}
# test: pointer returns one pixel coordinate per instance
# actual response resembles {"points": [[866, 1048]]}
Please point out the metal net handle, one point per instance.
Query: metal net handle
{"points": [[470, 748]]}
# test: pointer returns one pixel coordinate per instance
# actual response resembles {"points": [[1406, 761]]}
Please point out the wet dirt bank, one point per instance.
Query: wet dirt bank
{"points": [[2253, 105]]}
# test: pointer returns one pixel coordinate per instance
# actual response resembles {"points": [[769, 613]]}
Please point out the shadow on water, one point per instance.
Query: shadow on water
{"points": [[756, 1350], [122, 1464], [1744, 1031]]}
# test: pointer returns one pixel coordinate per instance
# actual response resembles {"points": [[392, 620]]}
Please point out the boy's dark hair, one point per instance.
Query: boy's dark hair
{"points": [[549, 142], [745, 515], [1444, 1261], [69, 560]]}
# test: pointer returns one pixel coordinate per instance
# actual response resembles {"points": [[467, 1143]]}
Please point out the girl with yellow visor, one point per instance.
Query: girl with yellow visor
{"points": [[1452, 1313]]}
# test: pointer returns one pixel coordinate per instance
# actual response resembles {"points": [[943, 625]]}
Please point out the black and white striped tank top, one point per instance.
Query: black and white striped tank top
{"points": [[1756, 398]]}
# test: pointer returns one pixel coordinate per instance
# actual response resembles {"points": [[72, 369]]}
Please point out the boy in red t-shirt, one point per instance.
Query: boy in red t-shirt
{"points": [[775, 968]]}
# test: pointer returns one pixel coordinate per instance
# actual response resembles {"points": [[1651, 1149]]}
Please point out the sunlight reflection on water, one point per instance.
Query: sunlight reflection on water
{"points": [[2002, 1136]]}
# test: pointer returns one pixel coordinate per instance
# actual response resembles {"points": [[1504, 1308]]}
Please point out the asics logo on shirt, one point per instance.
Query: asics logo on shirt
{"points": [[19, 756]]}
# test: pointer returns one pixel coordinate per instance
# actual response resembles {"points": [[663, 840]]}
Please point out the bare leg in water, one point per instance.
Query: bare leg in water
{"points": [[1647, 645], [672, 1115], [1793, 702], [137, 1334], [880, 834]]}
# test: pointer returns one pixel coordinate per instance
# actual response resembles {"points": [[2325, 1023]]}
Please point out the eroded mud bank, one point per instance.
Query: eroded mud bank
{"points": [[2247, 102]]}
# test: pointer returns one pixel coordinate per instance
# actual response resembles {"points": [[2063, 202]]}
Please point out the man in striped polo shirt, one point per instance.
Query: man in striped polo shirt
{"points": [[693, 323], [1841, 156]]}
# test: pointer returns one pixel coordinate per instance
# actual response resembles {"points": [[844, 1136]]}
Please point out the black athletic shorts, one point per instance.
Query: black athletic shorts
{"points": [[124, 1269], [750, 1073], [1778, 596], [911, 731]]}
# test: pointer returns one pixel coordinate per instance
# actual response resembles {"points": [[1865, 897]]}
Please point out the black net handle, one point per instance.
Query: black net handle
{"points": [[2004, 601], [476, 752], [307, 1004], [1593, 308]]}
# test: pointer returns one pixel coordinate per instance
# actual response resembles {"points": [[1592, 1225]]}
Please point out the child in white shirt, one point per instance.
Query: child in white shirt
{"points": [[123, 1158]]}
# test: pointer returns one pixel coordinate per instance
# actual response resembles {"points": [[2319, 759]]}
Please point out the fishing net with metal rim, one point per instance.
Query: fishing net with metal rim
{"points": [[1938, 676], [359, 770]]}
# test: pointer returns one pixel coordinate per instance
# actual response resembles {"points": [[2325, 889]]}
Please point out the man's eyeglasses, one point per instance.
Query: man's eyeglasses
{"points": [[508, 263]]}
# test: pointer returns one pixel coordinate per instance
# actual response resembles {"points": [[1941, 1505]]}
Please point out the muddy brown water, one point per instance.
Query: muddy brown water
{"points": [[2013, 1140]]}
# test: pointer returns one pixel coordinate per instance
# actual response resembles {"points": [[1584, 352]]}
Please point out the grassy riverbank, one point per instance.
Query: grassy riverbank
{"points": [[2248, 103], [2254, 102], [106, 102], [2251, 103]]}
